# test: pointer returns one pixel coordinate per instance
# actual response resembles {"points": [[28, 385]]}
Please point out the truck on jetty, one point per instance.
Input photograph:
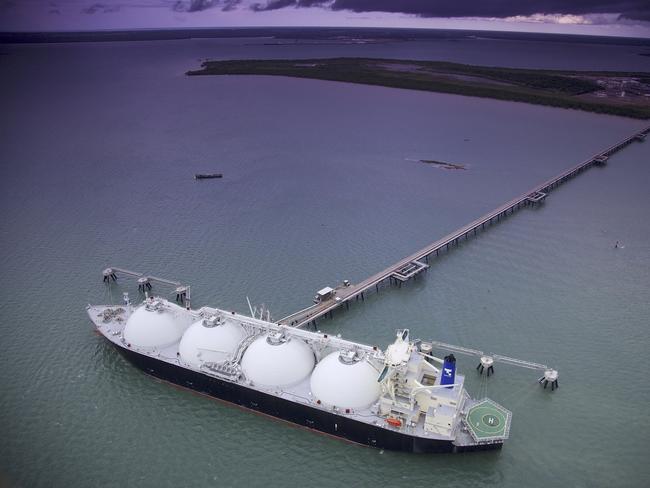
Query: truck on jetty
{"points": [[402, 398]]}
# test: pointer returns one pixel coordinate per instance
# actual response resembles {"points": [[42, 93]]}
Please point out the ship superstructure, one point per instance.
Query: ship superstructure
{"points": [[400, 398]]}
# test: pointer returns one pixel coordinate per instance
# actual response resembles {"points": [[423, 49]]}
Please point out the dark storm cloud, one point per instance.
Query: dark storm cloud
{"points": [[640, 13], [100, 8], [7, 4], [198, 5], [630, 9], [278, 4], [228, 5], [176, 5], [274, 5]]}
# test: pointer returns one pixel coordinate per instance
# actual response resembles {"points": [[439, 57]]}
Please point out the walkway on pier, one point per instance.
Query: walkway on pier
{"points": [[413, 264]]}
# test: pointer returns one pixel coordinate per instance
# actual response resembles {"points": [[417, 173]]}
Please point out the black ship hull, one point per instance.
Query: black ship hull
{"points": [[302, 415]]}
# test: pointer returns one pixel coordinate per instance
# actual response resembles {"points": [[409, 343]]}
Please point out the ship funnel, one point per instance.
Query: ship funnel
{"points": [[448, 373]]}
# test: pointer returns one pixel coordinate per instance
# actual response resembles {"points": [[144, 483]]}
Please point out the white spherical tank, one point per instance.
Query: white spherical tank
{"points": [[274, 361], [345, 384], [210, 341], [156, 324]]}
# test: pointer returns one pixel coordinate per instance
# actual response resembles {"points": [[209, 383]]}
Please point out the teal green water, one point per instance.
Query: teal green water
{"points": [[99, 144]]}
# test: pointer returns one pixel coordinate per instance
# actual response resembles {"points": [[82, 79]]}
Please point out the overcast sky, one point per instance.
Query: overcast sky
{"points": [[600, 17]]}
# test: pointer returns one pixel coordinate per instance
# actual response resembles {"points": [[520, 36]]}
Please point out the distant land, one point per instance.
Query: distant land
{"points": [[351, 35], [625, 94]]}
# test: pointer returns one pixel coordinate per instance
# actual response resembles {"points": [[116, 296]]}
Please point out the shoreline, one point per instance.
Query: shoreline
{"points": [[625, 94]]}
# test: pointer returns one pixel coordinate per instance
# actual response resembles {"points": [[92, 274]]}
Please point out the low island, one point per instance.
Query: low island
{"points": [[618, 93]]}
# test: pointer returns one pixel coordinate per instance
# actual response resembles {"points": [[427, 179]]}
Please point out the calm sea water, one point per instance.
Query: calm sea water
{"points": [[99, 145]]}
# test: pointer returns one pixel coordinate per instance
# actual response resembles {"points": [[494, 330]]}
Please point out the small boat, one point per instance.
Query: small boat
{"points": [[200, 176]]}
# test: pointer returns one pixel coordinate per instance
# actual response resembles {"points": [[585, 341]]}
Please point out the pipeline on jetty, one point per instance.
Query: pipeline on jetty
{"points": [[144, 282], [329, 299]]}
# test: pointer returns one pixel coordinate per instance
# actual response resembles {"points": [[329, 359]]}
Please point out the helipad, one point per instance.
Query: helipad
{"points": [[488, 421]]}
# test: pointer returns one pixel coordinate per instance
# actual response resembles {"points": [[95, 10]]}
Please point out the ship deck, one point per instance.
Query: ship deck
{"points": [[111, 320]]}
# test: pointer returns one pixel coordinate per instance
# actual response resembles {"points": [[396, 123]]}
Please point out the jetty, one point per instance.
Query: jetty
{"points": [[418, 262], [145, 281], [330, 298]]}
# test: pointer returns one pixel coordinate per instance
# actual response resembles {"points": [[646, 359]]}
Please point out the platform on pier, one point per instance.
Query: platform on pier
{"points": [[600, 160], [536, 197], [409, 270]]}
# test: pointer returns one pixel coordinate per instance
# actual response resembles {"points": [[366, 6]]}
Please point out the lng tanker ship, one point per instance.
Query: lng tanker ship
{"points": [[402, 398]]}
